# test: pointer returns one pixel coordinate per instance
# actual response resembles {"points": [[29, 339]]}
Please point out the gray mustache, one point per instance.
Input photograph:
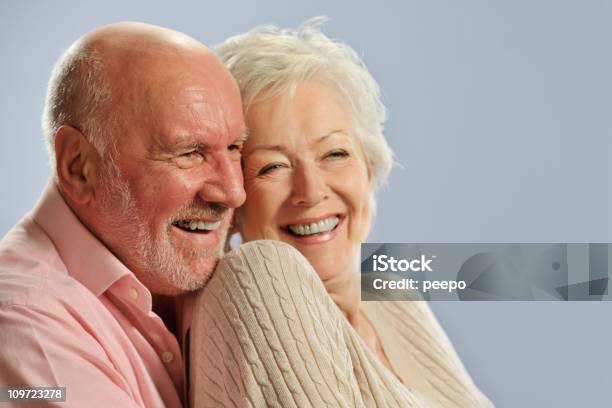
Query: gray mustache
{"points": [[201, 209]]}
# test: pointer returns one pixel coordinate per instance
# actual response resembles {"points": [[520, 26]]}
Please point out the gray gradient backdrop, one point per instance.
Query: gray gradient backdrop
{"points": [[499, 113]]}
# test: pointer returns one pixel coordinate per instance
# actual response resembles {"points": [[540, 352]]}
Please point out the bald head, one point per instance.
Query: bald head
{"points": [[146, 128], [110, 67], [131, 35], [128, 46]]}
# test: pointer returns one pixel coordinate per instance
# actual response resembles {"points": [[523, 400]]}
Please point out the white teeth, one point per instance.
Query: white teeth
{"points": [[199, 225], [321, 226], [211, 226], [309, 229]]}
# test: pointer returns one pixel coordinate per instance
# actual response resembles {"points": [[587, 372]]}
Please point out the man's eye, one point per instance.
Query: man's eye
{"points": [[236, 147], [191, 154], [270, 168], [188, 159]]}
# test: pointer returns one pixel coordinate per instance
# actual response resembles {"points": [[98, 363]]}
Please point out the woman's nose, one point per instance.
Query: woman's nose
{"points": [[309, 186]]}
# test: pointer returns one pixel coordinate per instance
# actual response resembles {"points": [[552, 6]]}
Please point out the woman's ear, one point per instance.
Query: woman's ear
{"points": [[371, 177]]}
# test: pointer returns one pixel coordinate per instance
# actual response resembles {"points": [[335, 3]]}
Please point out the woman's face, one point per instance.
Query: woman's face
{"points": [[306, 178]]}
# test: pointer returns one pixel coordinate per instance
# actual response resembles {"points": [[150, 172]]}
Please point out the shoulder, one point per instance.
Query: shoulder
{"points": [[415, 342], [45, 314], [402, 312], [31, 270], [413, 323]]}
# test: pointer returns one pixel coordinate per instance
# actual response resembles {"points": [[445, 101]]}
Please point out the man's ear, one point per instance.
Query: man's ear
{"points": [[76, 164]]}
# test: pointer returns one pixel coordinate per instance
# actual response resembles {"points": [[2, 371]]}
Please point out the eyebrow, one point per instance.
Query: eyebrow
{"points": [[187, 142], [281, 148], [243, 137]]}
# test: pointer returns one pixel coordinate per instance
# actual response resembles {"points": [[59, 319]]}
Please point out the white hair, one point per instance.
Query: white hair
{"points": [[275, 60], [78, 95]]}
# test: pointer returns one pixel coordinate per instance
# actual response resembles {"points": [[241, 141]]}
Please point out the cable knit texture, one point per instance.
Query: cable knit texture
{"points": [[265, 333]]}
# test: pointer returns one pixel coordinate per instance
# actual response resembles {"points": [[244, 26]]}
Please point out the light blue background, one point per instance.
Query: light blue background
{"points": [[499, 113]]}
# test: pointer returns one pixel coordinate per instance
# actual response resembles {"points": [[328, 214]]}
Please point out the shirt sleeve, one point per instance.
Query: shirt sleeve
{"points": [[43, 349]]}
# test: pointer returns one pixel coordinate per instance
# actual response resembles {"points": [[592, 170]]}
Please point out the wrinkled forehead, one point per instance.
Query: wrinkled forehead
{"points": [[195, 93], [211, 91]]}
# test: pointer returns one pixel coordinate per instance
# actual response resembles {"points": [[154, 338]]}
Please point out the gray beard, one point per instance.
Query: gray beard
{"points": [[156, 263]]}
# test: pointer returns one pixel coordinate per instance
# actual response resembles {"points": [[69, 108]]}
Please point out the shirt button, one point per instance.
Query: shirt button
{"points": [[167, 356], [133, 293]]}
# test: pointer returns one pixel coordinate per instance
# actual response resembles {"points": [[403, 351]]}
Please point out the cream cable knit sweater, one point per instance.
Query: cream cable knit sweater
{"points": [[265, 333]]}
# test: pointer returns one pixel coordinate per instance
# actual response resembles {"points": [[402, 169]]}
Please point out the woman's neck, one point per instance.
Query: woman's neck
{"points": [[345, 291]]}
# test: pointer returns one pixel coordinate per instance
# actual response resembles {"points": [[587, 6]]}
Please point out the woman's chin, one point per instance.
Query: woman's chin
{"points": [[327, 265]]}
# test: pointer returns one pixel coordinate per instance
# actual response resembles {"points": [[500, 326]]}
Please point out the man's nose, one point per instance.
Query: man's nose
{"points": [[309, 186], [224, 183]]}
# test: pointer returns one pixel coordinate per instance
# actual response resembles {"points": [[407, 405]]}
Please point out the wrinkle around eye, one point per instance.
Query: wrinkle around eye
{"points": [[235, 148], [188, 159], [337, 154], [271, 168]]}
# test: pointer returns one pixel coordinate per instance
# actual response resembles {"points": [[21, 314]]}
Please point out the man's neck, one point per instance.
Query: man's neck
{"points": [[166, 308]]}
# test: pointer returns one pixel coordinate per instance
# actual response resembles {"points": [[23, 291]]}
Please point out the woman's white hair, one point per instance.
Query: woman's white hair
{"points": [[275, 60], [78, 95]]}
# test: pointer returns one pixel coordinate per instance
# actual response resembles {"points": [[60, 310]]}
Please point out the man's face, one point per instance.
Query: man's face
{"points": [[167, 194]]}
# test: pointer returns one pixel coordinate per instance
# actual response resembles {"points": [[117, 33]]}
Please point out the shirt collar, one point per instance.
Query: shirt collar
{"points": [[88, 261], [86, 258]]}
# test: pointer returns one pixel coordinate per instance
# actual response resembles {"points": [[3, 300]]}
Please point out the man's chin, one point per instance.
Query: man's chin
{"points": [[196, 272], [172, 268], [178, 285]]}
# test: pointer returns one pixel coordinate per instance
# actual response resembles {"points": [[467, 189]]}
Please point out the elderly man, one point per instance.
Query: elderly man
{"points": [[145, 129]]}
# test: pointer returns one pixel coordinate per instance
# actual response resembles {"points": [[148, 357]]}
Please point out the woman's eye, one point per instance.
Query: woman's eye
{"points": [[270, 168], [337, 154]]}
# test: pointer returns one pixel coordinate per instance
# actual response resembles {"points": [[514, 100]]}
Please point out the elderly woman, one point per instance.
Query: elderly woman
{"points": [[266, 331]]}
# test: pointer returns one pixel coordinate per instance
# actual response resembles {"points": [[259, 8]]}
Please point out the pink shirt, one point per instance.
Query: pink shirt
{"points": [[72, 315]]}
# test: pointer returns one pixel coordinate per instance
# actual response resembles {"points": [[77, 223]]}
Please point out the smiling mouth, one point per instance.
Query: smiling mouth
{"points": [[315, 228], [197, 226]]}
